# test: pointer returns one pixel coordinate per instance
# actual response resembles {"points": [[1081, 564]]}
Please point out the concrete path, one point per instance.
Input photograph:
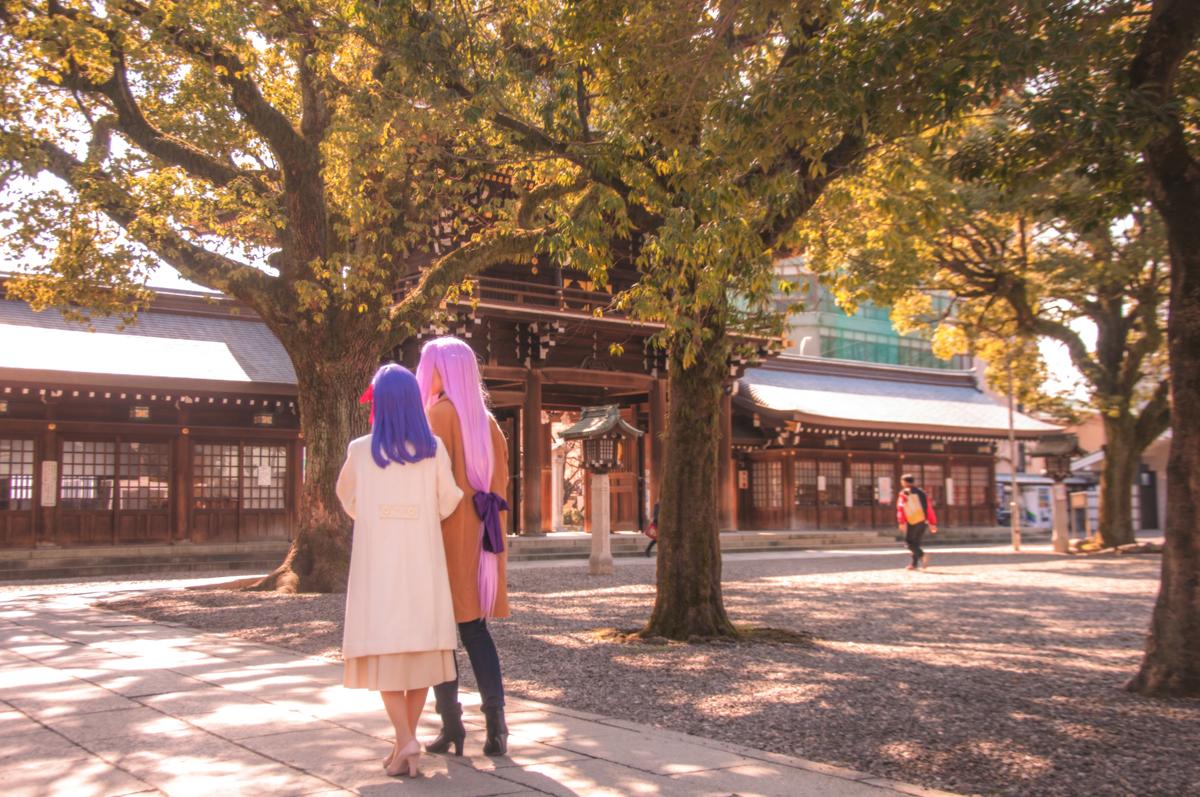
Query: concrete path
{"points": [[98, 704]]}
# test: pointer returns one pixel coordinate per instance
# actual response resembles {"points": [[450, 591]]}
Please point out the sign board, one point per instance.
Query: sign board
{"points": [[49, 483], [849, 491], [885, 489], [743, 480], [821, 483], [1079, 500], [263, 475], [949, 491]]}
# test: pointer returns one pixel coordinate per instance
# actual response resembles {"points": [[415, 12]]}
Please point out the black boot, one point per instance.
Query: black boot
{"points": [[496, 742], [452, 733]]}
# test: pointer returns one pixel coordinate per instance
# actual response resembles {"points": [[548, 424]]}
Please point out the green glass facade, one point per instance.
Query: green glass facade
{"points": [[823, 329]]}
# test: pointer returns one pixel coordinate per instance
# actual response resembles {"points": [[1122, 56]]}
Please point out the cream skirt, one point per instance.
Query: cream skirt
{"points": [[395, 672]]}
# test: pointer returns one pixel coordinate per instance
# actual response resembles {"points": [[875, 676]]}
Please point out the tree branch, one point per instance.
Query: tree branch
{"points": [[193, 262], [1154, 417], [533, 199], [264, 118], [779, 221]]}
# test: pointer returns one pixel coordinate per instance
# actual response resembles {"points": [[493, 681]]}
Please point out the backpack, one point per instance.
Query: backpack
{"points": [[913, 511]]}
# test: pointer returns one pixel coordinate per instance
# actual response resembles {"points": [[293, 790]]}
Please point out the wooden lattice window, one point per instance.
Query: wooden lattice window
{"points": [[767, 478], [87, 476], [835, 487], [264, 477], [979, 485], [145, 476], [215, 476], [863, 484], [962, 484], [806, 482], [934, 484], [16, 475]]}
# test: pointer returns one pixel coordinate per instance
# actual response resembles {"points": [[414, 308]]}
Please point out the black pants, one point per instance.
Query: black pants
{"points": [[485, 663], [912, 538], [650, 547]]}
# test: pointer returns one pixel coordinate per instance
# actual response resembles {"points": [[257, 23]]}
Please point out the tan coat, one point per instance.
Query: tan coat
{"points": [[460, 531]]}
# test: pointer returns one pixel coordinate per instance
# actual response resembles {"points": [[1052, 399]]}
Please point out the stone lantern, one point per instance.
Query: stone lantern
{"points": [[1057, 451], [601, 429]]}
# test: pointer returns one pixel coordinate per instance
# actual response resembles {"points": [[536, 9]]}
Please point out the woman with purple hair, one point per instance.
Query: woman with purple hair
{"points": [[474, 535], [397, 485]]}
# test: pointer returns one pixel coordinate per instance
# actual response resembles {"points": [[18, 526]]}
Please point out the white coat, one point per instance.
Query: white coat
{"points": [[398, 598]]}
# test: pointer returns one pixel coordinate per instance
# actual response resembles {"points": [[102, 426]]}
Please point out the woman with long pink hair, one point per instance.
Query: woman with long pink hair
{"points": [[453, 392]]}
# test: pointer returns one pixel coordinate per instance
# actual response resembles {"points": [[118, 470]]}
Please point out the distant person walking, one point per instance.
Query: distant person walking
{"points": [[915, 514], [652, 530]]}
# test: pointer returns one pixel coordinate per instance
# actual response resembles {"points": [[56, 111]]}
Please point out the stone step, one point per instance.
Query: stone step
{"points": [[90, 562]]}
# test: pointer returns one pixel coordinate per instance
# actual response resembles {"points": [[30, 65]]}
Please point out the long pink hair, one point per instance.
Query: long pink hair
{"points": [[455, 361]]}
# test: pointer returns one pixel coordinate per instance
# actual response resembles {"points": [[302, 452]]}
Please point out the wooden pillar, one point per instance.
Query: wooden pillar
{"points": [[600, 562], [658, 432], [726, 477], [46, 479], [181, 483], [532, 455], [296, 474]]}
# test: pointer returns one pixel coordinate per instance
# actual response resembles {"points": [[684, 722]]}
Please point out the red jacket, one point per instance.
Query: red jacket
{"points": [[926, 504]]}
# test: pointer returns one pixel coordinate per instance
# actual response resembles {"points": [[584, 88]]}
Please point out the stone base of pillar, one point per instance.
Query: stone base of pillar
{"points": [[1060, 536], [600, 563]]}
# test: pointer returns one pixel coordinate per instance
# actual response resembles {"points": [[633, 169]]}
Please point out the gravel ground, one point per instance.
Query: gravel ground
{"points": [[991, 673]]}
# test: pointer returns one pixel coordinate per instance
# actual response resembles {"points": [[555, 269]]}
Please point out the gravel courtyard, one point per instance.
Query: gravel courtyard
{"points": [[991, 673]]}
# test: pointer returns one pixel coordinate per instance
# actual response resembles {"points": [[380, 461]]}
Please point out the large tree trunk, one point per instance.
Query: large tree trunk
{"points": [[689, 603], [1172, 662], [1121, 457], [330, 417]]}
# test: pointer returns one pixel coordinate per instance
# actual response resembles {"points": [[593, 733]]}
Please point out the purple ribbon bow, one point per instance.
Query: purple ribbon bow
{"points": [[489, 506]]}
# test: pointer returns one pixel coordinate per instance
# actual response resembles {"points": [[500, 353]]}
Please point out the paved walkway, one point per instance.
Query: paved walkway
{"points": [[97, 704]]}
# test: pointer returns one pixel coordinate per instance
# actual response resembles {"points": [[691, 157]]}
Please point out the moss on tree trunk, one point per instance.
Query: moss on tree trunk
{"points": [[688, 602], [330, 417]]}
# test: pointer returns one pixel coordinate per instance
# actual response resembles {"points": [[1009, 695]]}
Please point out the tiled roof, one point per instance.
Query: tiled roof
{"points": [[162, 345], [842, 400]]}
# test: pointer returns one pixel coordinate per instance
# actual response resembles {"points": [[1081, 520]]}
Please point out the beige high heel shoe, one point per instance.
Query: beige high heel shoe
{"points": [[405, 758]]}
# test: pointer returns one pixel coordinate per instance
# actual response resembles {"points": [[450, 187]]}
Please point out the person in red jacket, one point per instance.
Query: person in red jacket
{"points": [[915, 514]]}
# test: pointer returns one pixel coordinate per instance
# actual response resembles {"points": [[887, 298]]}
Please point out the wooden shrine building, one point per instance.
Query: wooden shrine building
{"points": [[549, 343], [181, 428], [821, 444]]}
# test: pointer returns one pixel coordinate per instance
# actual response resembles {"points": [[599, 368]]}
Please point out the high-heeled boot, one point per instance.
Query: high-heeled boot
{"points": [[453, 732], [496, 742]]}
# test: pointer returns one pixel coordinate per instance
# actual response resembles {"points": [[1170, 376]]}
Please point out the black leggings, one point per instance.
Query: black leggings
{"points": [[485, 663], [912, 538]]}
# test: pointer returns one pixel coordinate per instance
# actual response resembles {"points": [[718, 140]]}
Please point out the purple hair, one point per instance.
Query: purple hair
{"points": [[455, 361], [400, 431]]}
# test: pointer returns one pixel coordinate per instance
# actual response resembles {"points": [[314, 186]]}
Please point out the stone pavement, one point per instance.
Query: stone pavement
{"points": [[98, 704]]}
